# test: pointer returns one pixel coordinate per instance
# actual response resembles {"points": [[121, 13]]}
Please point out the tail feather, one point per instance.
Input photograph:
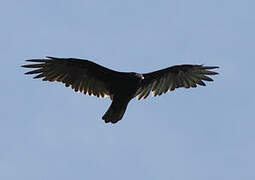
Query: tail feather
{"points": [[115, 111]]}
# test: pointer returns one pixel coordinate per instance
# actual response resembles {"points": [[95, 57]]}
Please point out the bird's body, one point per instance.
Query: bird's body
{"points": [[130, 83], [122, 94], [93, 79]]}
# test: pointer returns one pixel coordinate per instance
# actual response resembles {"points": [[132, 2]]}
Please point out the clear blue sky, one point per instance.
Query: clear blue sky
{"points": [[49, 132]]}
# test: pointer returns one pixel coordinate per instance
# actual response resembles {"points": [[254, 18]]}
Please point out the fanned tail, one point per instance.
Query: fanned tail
{"points": [[115, 111]]}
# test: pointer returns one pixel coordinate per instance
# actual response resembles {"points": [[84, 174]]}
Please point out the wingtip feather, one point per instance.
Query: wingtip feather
{"points": [[37, 60], [210, 67]]}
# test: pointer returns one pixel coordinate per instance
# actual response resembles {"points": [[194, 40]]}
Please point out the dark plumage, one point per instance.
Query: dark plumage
{"points": [[93, 79]]}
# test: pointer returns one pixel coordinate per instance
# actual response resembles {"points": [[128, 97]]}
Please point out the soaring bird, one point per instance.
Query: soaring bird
{"points": [[90, 78]]}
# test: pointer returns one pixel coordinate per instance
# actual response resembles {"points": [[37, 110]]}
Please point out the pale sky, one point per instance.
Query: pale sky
{"points": [[49, 132]]}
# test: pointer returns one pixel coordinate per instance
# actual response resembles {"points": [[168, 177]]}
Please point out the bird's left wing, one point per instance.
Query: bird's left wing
{"points": [[168, 79], [81, 75]]}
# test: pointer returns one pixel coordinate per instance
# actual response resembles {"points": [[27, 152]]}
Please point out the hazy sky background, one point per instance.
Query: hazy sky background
{"points": [[49, 132]]}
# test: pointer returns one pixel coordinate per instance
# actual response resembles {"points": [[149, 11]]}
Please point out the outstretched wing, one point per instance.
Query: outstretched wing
{"points": [[187, 76], [81, 75]]}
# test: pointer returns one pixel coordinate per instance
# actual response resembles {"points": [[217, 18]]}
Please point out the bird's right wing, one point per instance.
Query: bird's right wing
{"points": [[81, 75], [168, 79]]}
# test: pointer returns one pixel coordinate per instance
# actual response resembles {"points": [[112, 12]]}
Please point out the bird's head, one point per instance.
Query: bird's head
{"points": [[139, 76]]}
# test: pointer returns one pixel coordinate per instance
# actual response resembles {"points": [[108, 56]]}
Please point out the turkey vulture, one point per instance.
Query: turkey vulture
{"points": [[92, 79]]}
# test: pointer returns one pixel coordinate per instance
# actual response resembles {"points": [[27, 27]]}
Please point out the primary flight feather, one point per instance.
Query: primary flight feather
{"points": [[92, 79]]}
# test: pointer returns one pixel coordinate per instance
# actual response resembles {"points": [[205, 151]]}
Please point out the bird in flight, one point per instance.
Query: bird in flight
{"points": [[92, 79]]}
